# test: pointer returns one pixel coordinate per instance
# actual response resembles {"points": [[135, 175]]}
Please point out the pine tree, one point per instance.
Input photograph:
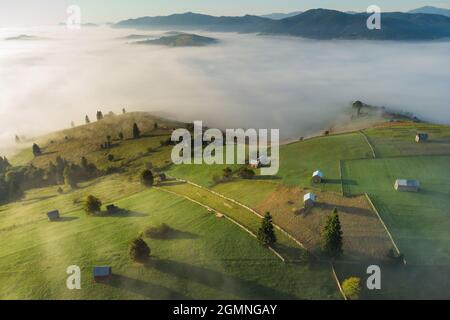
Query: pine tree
{"points": [[124, 111], [266, 234], [332, 236], [87, 119], [139, 250], [147, 178], [72, 124], [18, 139], [69, 177], [136, 131], [36, 150], [99, 115], [121, 135]]}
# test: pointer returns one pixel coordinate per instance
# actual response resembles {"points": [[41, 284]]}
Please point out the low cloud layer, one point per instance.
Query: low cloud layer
{"points": [[244, 81]]}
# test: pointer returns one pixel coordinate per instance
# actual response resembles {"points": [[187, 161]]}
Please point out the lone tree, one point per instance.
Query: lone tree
{"points": [[36, 150], [139, 250], [92, 205], [124, 111], [136, 131], [18, 139], [352, 288], [69, 177], [147, 178], [121, 135], [87, 119], [72, 124], [357, 105], [266, 234], [99, 115], [332, 236]]}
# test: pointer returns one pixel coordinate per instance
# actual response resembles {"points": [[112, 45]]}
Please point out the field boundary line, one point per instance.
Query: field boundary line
{"points": [[342, 177], [369, 143], [247, 208], [337, 281], [384, 225], [225, 216]]}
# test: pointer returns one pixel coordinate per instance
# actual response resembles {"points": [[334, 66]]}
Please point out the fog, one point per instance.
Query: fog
{"points": [[296, 85]]}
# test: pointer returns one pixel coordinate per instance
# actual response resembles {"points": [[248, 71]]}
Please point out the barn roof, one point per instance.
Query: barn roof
{"points": [[102, 271], [422, 135], [317, 173], [309, 196], [407, 183]]}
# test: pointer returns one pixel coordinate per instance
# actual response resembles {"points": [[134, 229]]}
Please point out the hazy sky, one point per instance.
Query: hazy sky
{"points": [[33, 12], [293, 84]]}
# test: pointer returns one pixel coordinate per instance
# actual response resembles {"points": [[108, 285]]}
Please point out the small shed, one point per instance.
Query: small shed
{"points": [[309, 199], [162, 176], [53, 215], [102, 273], [407, 185], [254, 163], [422, 137], [263, 161], [317, 176]]}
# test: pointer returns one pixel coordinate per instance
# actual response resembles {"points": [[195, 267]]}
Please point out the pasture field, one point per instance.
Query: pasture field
{"points": [[401, 282], [398, 139], [208, 257], [285, 246], [300, 159], [365, 236], [419, 222]]}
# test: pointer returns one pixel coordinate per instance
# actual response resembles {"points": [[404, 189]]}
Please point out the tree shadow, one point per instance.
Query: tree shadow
{"points": [[441, 141], [121, 213], [171, 183], [66, 219], [345, 209], [173, 234], [244, 289], [332, 181], [147, 289], [267, 178], [349, 182]]}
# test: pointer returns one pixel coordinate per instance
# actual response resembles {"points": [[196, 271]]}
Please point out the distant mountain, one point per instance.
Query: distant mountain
{"points": [[191, 20], [24, 37], [314, 24], [135, 37], [330, 24], [432, 10], [180, 40], [279, 16]]}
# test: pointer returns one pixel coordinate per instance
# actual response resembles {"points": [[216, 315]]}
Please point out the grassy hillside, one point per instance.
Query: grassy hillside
{"points": [[214, 257], [209, 257], [419, 222]]}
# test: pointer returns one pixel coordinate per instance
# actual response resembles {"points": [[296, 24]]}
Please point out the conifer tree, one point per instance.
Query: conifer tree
{"points": [[136, 131], [332, 236], [87, 119], [36, 150], [266, 234]]}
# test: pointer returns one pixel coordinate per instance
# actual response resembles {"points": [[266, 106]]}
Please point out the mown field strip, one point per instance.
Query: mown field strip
{"points": [[247, 208], [384, 225], [369, 143], [224, 215]]}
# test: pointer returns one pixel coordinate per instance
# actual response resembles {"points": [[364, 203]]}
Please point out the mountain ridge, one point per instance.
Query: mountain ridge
{"points": [[315, 24]]}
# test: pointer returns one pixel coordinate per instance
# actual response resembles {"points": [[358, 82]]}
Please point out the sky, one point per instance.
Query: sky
{"points": [[44, 12]]}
